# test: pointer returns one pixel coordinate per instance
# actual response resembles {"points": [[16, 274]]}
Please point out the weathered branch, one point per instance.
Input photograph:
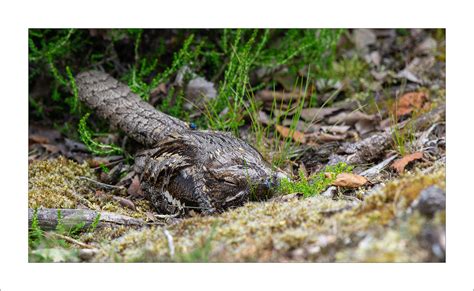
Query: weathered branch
{"points": [[372, 147], [113, 101], [48, 218]]}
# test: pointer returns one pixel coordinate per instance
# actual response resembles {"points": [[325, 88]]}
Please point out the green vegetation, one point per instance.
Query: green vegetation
{"points": [[404, 138], [243, 49], [50, 51], [310, 49], [351, 69], [55, 246], [97, 148], [305, 69], [143, 60], [34, 233], [144, 67], [314, 184], [95, 223], [284, 149], [299, 48], [173, 104]]}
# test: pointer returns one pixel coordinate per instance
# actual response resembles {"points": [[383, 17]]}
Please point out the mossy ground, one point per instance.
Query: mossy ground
{"points": [[58, 183], [317, 229]]}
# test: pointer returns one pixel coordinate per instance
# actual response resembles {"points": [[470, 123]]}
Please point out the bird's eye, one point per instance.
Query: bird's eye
{"points": [[229, 182]]}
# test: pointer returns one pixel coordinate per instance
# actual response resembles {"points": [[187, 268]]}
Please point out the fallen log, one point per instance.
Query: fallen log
{"points": [[48, 218]]}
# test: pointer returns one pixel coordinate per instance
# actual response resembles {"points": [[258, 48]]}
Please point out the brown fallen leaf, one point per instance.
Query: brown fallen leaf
{"points": [[134, 189], [337, 129], [321, 137], [349, 180], [95, 162], [42, 135], [270, 95], [51, 148], [365, 126], [36, 138], [409, 102], [329, 175], [318, 114], [125, 202], [285, 132], [349, 118], [400, 164]]}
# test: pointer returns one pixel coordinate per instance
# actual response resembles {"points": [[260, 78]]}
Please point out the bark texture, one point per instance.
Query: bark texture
{"points": [[184, 168], [373, 147], [70, 218], [114, 102]]}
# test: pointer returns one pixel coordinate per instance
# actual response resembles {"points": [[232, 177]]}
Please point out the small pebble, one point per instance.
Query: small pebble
{"points": [[431, 200], [331, 192]]}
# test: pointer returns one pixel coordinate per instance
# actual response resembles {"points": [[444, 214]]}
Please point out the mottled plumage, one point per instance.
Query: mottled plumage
{"points": [[185, 167]]}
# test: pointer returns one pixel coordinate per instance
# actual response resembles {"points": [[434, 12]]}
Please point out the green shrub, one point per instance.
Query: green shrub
{"points": [[145, 59], [98, 148]]}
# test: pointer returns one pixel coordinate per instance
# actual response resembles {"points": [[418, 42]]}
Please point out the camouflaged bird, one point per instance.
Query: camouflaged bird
{"points": [[182, 167]]}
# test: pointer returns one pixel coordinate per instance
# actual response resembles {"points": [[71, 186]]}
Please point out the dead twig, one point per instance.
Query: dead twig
{"points": [[169, 238], [68, 239], [102, 185], [375, 170], [372, 147]]}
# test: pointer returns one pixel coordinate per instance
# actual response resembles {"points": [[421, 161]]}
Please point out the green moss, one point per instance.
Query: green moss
{"points": [[103, 234], [399, 194], [315, 184], [57, 184], [389, 246]]}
